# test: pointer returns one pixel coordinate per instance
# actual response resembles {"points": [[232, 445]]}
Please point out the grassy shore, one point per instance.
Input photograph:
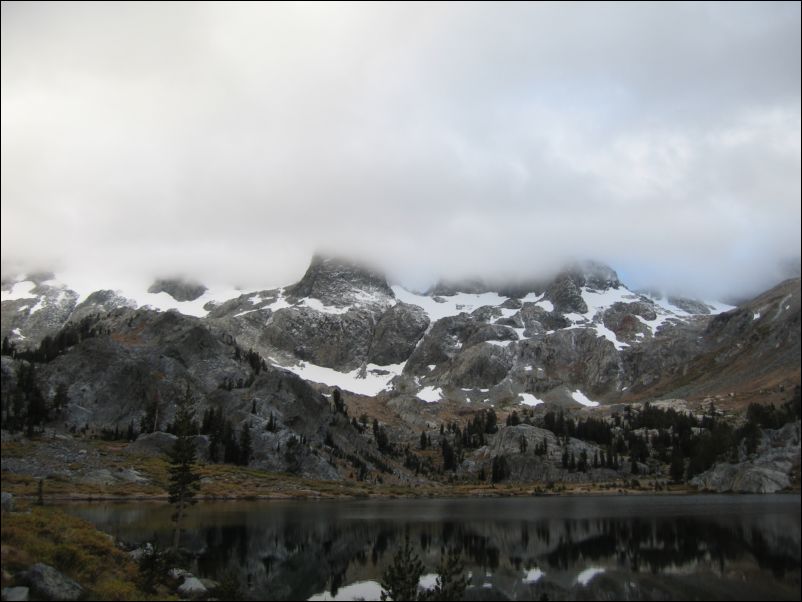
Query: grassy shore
{"points": [[227, 481], [71, 545]]}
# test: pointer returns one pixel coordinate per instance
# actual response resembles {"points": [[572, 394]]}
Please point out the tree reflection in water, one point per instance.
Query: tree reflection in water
{"points": [[294, 551]]}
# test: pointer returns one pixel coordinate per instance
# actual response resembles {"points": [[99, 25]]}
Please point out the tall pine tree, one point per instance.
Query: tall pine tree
{"points": [[184, 481]]}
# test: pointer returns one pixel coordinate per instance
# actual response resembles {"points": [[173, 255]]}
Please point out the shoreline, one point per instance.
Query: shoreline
{"points": [[390, 496]]}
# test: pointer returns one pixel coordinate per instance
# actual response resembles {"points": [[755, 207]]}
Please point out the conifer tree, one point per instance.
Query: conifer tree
{"points": [[184, 480], [400, 580], [245, 447], [451, 582]]}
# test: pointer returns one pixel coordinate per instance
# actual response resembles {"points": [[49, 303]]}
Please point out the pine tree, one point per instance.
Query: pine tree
{"points": [[337, 398], [677, 465], [449, 459], [245, 448], [184, 481], [400, 580], [151, 420], [499, 469], [451, 582], [61, 398]]}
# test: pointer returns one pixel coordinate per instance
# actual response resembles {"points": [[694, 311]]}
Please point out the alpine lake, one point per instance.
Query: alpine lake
{"points": [[712, 547]]}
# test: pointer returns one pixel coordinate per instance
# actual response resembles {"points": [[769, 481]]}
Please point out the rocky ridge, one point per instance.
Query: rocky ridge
{"points": [[579, 341]]}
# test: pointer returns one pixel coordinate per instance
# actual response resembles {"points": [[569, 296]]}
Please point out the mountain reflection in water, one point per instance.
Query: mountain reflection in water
{"points": [[702, 547]]}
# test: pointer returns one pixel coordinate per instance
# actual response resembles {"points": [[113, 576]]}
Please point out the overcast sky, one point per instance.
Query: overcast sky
{"points": [[229, 141]]}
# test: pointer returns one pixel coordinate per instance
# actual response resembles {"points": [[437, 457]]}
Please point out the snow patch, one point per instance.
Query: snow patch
{"points": [[588, 574], [39, 305], [317, 305], [19, 290], [529, 400], [532, 298], [370, 384], [451, 306], [533, 575], [580, 397], [359, 590], [608, 334], [430, 394]]}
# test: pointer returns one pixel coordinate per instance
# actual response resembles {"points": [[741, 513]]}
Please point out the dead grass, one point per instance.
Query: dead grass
{"points": [[74, 547]]}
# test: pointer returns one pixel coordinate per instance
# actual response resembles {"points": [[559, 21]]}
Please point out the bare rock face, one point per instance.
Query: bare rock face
{"points": [[41, 310], [101, 301], [622, 319], [340, 283], [159, 443], [577, 358], [767, 471], [339, 341], [565, 294], [448, 288], [479, 366], [397, 333], [692, 306], [537, 320], [742, 478], [443, 341], [526, 467], [178, 288], [565, 290]]}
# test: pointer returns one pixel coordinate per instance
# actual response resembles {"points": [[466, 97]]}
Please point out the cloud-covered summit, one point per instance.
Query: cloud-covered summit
{"points": [[230, 141]]}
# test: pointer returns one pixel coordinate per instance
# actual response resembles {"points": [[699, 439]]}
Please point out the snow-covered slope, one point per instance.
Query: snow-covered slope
{"points": [[346, 308]]}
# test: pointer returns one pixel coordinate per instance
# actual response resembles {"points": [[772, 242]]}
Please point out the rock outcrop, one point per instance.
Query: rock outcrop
{"points": [[178, 288], [397, 333], [766, 471]]}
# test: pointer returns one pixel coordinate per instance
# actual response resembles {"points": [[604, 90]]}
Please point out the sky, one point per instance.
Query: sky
{"points": [[230, 141]]}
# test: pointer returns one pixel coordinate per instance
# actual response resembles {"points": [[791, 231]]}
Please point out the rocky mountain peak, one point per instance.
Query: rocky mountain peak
{"points": [[339, 282], [179, 289], [593, 274]]}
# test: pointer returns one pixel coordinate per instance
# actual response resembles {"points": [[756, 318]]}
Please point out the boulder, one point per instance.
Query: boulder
{"points": [[192, 587], [7, 501], [158, 443], [15, 594], [46, 582]]}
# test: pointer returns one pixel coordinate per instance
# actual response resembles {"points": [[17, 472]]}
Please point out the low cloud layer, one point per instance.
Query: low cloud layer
{"points": [[230, 141]]}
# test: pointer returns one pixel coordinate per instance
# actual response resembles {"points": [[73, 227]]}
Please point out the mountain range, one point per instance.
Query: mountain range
{"points": [[580, 341]]}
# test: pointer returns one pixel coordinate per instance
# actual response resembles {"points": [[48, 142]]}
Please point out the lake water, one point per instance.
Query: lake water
{"points": [[585, 548]]}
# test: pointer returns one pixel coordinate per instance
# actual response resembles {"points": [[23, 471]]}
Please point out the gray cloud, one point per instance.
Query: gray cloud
{"points": [[229, 141]]}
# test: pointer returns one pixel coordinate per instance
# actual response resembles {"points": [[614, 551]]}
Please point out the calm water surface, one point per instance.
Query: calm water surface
{"points": [[586, 548]]}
